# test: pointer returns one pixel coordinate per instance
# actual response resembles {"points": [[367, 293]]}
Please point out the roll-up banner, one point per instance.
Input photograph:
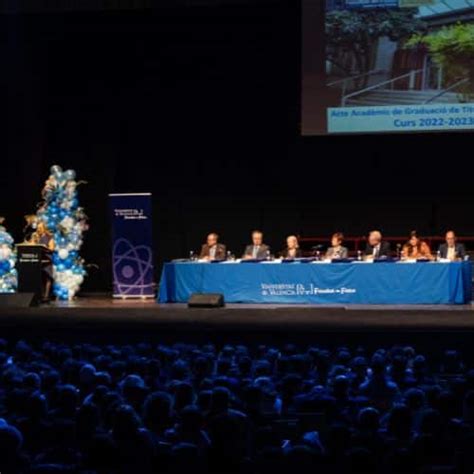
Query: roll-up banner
{"points": [[132, 256]]}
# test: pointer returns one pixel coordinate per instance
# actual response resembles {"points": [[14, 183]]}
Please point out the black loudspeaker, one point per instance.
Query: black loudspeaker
{"points": [[206, 300], [18, 300]]}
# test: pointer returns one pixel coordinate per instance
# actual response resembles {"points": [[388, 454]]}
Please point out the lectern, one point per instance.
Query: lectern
{"points": [[32, 261]]}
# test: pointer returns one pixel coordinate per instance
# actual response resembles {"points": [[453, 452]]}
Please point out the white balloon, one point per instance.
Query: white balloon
{"points": [[63, 253], [56, 169], [5, 252], [67, 223]]}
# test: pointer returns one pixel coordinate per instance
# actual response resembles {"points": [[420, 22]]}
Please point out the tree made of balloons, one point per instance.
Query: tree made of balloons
{"points": [[65, 219], [8, 274]]}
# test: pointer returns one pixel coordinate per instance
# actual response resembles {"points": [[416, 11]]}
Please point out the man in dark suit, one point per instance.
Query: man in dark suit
{"points": [[376, 247], [212, 249], [452, 249], [258, 249]]}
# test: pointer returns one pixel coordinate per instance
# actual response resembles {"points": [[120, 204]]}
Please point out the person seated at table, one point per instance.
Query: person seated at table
{"points": [[376, 247], [416, 248], [336, 250], [292, 248], [257, 249], [212, 249], [452, 249]]}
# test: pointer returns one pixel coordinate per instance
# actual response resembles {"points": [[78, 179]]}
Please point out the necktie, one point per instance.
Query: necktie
{"points": [[255, 251]]}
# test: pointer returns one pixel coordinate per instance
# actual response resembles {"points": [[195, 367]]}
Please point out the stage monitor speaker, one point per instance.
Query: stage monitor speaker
{"points": [[206, 300], [18, 300]]}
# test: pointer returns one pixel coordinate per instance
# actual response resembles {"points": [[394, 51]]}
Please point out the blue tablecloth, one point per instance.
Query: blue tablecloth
{"points": [[336, 283]]}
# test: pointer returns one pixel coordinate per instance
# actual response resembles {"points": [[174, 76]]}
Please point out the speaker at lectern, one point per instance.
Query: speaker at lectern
{"points": [[33, 266]]}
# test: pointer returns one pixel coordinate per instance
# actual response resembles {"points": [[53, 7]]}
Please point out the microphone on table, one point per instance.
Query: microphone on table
{"points": [[317, 249], [399, 247]]}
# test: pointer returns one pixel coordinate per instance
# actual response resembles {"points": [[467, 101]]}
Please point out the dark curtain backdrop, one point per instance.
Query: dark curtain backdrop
{"points": [[200, 106]]}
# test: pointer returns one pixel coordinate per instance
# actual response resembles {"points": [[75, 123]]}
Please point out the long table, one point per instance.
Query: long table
{"points": [[320, 283]]}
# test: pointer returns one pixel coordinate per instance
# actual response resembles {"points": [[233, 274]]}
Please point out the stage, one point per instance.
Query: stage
{"points": [[100, 317]]}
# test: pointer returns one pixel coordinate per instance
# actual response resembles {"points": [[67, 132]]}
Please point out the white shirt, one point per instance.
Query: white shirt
{"points": [[255, 251], [451, 254], [212, 251]]}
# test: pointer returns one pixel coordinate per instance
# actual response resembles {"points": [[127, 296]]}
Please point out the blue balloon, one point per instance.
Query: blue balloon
{"points": [[4, 268]]}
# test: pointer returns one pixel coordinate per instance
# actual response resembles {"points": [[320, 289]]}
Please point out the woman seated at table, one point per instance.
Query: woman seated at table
{"points": [[336, 250], [292, 248], [416, 248]]}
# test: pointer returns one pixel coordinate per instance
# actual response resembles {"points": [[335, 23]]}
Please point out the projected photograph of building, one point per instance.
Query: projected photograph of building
{"points": [[386, 52]]}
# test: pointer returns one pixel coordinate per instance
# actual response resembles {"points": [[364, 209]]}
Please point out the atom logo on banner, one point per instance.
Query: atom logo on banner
{"points": [[131, 267]]}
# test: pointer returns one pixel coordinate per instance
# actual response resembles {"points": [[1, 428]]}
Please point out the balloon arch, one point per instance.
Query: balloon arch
{"points": [[65, 219]]}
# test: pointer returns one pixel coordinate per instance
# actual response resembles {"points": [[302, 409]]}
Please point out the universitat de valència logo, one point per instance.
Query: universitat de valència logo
{"points": [[299, 289]]}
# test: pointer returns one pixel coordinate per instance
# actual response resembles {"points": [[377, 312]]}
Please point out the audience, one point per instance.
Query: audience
{"points": [[106, 409]]}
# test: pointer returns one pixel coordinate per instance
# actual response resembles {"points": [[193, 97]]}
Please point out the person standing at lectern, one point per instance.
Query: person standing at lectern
{"points": [[43, 236], [452, 249], [376, 247], [258, 250], [30, 227], [212, 249]]}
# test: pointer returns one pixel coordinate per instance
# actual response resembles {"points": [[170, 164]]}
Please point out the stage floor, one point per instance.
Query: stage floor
{"points": [[104, 301], [103, 308], [102, 318]]}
